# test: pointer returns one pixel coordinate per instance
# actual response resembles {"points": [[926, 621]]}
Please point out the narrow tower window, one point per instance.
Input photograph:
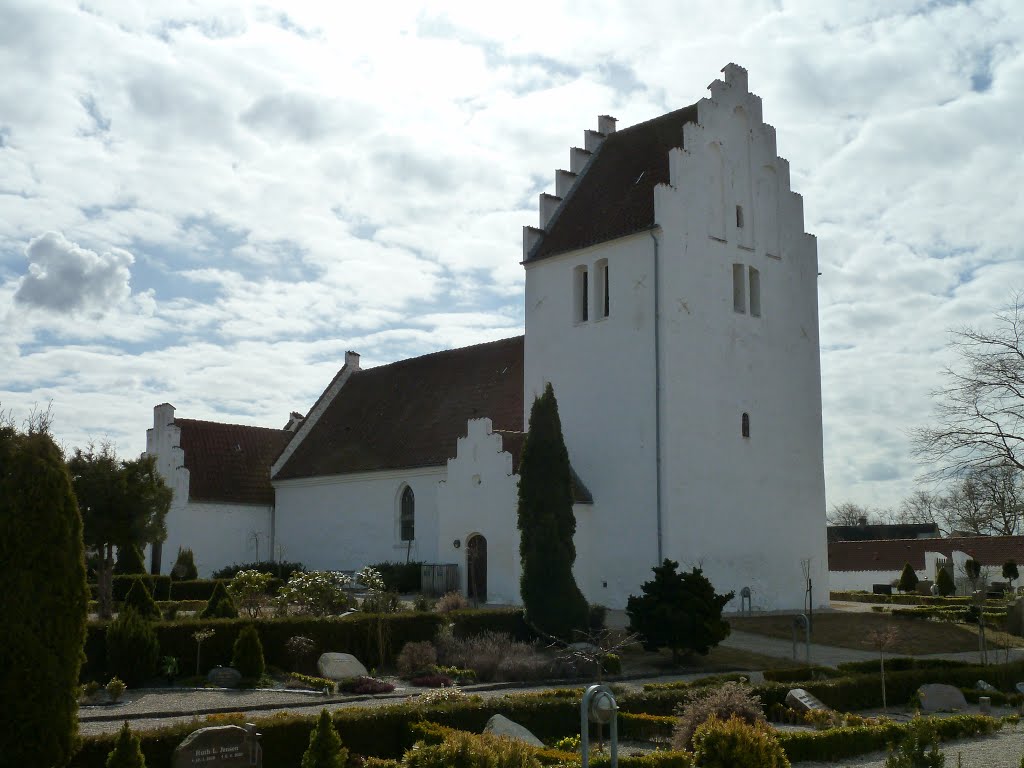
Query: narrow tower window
{"points": [[407, 516], [581, 294], [603, 301], [739, 217], [755, 292], [739, 288], [745, 425]]}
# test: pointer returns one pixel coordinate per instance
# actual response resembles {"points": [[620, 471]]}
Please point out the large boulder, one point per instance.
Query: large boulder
{"points": [[938, 697], [499, 725], [340, 666]]}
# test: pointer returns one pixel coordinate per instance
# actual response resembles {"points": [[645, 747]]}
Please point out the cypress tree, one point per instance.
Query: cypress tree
{"points": [[908, 579], [139, 599], [184, 566], [130, 560], [127, 751], [43, 600], [553, 601], [133, 648], [325, 750], [248, 653], [944, 582], [220, 605]]}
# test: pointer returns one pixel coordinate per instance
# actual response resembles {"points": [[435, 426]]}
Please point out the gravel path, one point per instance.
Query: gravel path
{"points": [[1001, 750]]}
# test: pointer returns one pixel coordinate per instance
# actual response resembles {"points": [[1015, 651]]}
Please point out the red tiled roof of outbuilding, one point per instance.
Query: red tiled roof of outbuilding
{"points": [[893, 554], [230, 462]]}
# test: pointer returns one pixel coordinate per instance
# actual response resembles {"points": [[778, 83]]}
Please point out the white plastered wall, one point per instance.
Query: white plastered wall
{"points": [[479, 496], [345, 522]]}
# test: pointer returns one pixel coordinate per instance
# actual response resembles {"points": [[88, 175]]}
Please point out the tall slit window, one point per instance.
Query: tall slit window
{"points": [[755, 291], [602, 285], [739, 288], [581, 294], [745, 425], [407, 515]]}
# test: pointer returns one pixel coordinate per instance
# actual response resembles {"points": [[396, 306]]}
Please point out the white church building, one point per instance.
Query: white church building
{"points": [[671, 301]]}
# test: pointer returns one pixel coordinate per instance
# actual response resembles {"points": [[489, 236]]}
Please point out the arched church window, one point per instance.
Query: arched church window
{"points": [[407, 515]]}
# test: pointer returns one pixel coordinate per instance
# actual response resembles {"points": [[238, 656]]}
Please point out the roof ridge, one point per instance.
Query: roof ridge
{"points": [[658, 118], [439, 352], [226, 424]]}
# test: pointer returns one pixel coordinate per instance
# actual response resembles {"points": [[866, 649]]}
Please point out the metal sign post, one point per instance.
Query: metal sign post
{"points": [[598, 706]]}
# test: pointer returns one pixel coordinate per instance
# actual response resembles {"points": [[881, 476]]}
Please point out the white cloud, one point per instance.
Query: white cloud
{"points": [[66, 278]]}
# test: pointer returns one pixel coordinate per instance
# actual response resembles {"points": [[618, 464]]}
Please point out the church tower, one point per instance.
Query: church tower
{"points": [[671, 300]]}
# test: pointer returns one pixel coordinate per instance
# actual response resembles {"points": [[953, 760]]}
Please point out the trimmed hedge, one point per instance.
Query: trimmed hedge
{"points": [[353, 634], [159, 587], [900, 664], [799, 674], [925, 600]]}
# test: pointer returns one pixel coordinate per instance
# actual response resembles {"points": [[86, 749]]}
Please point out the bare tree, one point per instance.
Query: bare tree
{"points": [[979, 414], [920, 507], [849, 513]]}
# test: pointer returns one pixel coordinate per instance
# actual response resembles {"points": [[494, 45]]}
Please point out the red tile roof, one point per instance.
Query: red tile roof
{"points": [[230, 462], [893, 554], [615, 195], [411, 413], [882, 531]]}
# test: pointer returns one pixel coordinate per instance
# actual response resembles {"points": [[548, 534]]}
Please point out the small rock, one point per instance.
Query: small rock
{"points": [[981, 685], [499, 725], [224, 677], [937, 697], [1019, 687], [339, 666], [802, 701]]}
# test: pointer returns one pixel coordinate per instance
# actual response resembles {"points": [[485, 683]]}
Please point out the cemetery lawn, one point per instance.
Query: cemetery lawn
{"points": [[850, 630]]}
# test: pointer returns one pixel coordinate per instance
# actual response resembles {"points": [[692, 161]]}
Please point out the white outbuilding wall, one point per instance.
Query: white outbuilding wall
{"points": [[345, 522]]}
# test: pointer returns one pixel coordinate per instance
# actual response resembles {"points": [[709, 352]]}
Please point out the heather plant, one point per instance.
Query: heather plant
{"points": [[319, 593], [729, 700], [416, 657], [248, 589], [451, 601]]}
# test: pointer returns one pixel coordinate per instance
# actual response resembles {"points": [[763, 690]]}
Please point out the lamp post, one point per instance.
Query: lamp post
{"points": [[598, 706]]}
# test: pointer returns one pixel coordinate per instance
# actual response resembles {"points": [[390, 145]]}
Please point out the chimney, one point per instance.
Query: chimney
{"points": [[295, 420], [606, 124], [862, 521], [352, 360]]}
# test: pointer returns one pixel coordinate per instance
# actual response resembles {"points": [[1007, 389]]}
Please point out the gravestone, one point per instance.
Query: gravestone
{"points": [[756, 678], [499, 725], [224, 677], [222, 745], [340, 666], [1015, 618], [938, 697], [1019, 687], [981, 685], [802, 701], [881, 589]]}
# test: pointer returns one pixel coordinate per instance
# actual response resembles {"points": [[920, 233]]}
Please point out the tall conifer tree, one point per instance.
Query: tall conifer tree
{"points": [[553, 601], [43, 600]]}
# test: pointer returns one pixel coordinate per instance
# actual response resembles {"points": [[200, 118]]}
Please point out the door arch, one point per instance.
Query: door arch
{"points": [[476, 568]]}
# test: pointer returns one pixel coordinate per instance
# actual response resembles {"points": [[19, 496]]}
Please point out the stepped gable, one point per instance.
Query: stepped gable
{"points": [[614, 194], [230, 462], [411, 413]]}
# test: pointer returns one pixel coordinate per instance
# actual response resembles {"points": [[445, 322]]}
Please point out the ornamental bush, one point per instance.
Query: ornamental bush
{"points": [[42, 602], [248, 653], [728, 701], [680, 611], [127, 752], [184, 568], [944, 583], [130, 560], [140, 600], [416, 657], [325, 750], [919, 749], [248, 589], [469, 750], [735, 743], [133, 650], [319, 593], [908, 579], [220, 605]]}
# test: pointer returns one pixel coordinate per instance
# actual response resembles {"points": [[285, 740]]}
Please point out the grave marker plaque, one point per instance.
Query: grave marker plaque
{"points": [[802, 701], [229, 746], [224, 677]]}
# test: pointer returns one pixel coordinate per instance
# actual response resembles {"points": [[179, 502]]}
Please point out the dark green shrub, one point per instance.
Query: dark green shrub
{"points": [[279, 569], [139, 599], [895, 664], [325, 750], [596, 616], [159, 587], [680, 611], [611, 664], [944, 582], [43, 601], [127, 752], [132, 648], [735, 743], [403, 578], [551, 597], [799, 674], [248, 653], [130, 560], [220, 605], [184, 568], [908, 579]]}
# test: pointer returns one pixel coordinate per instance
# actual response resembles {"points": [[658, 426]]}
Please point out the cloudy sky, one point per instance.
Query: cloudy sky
{"points": [[206, 203]]}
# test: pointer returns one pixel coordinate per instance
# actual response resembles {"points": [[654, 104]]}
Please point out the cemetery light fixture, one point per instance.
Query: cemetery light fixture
{"points": [[456, 543]]}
